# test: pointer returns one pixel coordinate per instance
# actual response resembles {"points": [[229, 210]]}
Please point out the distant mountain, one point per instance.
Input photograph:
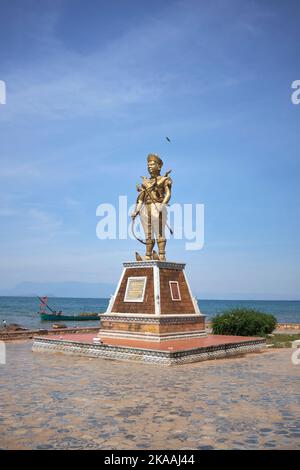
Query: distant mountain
{"points": [[61, 289]]}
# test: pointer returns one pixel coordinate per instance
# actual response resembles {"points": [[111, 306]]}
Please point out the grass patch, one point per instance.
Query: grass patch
{"points": [[282, 340]]}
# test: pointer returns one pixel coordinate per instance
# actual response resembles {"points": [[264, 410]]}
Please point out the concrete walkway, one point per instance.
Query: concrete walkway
{"points": [[61, 402]]}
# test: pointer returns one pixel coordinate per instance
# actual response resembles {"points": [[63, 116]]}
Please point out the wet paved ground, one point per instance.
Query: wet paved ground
{"points": [[60, 402]]}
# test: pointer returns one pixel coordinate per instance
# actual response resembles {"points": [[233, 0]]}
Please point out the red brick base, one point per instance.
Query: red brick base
{"points": [[153, 301]]}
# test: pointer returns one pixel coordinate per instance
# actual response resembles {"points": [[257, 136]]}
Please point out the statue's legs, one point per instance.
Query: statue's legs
{"points": [[159, 223], [146, 219], [154, 222], [149, 248], [162, 249], [161, 241]]}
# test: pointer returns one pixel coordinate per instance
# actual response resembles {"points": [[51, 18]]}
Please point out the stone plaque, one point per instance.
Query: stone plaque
{"points": [[175, 292], [135, 289]]}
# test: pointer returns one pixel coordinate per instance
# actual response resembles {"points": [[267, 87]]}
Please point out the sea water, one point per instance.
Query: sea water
{"points": [[24, 310]]}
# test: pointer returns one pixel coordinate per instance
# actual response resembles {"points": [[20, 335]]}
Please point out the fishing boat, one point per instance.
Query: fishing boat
{"points": [[48, 314]]}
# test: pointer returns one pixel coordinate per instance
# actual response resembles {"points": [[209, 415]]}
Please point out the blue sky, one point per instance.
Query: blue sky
{"points": [[94, 86]]}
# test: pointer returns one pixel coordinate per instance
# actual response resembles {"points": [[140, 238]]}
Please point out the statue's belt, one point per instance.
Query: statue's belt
{"points": [[149, 203]]}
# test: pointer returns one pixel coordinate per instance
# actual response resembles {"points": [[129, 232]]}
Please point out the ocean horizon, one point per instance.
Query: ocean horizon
{"points": [[24, 309]]}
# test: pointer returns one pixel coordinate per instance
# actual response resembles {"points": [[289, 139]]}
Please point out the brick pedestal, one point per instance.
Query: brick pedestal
{"points": [[153, 301]]}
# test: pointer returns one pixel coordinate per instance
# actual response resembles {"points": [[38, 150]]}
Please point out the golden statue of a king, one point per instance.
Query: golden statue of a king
{"points": [[154, 195]]}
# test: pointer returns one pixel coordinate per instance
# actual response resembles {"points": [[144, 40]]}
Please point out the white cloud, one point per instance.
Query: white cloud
{"points": [[44, 221], [72, 203], [7, 212], [142, 66], [19, 170]]}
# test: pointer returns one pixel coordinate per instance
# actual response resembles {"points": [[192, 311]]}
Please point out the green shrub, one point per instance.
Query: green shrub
{"points": [[243, 322]]}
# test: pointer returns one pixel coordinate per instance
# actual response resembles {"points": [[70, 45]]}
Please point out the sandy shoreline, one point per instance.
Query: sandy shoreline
{"points": [[6, 335], [61, 402]]}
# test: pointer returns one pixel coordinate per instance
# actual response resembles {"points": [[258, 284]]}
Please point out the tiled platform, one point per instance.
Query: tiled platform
{"points": [[167, 352]]}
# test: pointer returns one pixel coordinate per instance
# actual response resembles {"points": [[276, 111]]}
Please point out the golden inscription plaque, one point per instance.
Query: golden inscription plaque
{"points": [[135, 289]]}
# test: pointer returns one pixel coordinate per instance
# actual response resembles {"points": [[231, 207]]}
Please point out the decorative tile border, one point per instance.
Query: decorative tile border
{"points": [[152, 263], [157, 320], [146, 355], [152, 336]]}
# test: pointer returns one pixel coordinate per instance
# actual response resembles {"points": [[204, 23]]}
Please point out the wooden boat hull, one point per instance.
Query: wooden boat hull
{"points": [[79, 317]]}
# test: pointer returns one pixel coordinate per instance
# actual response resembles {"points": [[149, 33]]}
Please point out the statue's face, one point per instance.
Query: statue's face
{"points": [[153, 168]]}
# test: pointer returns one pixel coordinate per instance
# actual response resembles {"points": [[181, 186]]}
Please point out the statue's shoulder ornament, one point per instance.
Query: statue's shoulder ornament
{"points": [[166, 181]]}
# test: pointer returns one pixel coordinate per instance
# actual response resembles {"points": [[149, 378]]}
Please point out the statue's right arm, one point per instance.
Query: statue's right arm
{"points": [[139, 203]]}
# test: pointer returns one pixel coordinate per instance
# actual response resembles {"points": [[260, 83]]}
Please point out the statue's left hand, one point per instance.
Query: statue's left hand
{"points": [[134, 214]]}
